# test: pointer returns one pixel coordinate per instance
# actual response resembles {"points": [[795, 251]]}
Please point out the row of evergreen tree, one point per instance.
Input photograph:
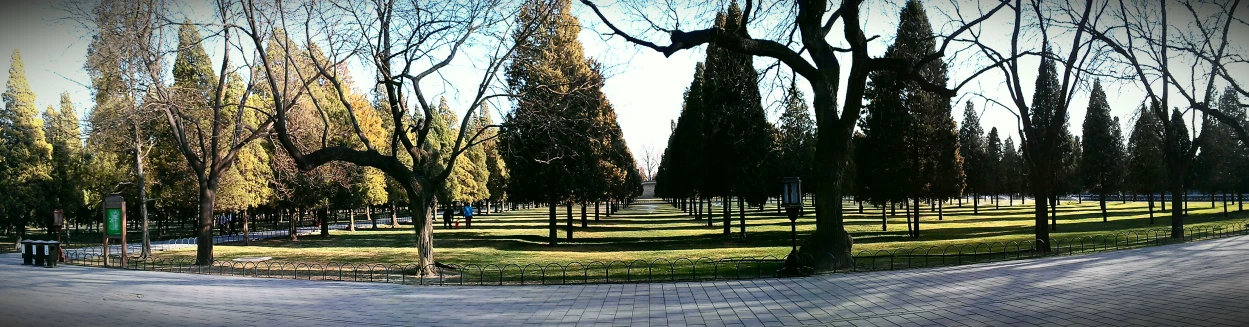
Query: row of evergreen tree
{"points": [[908, 148], [562, 142]]}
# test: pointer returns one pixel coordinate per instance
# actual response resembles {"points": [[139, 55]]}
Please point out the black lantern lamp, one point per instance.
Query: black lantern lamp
{"points": [[791, 198]]}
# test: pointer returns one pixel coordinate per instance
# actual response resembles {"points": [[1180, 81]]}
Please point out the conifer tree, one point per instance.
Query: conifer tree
{"points": [[797, 137], [972, 147], [1217, 163], [25, 154], [917, 121], [65, 189], [736, 132], [1011, 170], [993, 166], [1099, 167]]}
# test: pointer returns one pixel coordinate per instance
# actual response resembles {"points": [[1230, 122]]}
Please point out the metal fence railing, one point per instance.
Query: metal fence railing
{"points": [[664, 269]]}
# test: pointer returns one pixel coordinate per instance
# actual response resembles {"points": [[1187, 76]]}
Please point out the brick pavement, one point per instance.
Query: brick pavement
{"points": [[1194, 284]]}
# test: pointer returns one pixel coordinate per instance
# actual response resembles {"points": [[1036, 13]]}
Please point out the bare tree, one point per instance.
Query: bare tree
{"points": [[118, 63], [650, 162], [1043, 120], [200, 133], [407, 45], [798, 36], [1146, 45]]}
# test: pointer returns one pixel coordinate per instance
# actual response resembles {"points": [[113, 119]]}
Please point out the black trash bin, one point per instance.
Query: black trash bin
{"points": [[28, 252], [41, 252], [54, 253]]}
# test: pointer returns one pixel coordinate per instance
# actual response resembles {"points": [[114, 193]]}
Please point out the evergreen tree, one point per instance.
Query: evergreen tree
{"points": [[25, 154], [678, 175], [993, 166], [736, 132], [972, 147], [918, 121], [496, 182], [1099, 167], [65, 189], [549, 144], [1145, 166], [1216, 165], [1011, 170], [797, 137]]}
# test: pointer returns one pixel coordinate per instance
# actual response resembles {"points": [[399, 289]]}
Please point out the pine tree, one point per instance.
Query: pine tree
{"points": [[736, 131], [917, 121], [1099, 168], [66, 189], [547, 145], [1011, 171], [972, 147], [25, 154], [496, 182], [797, 137], [1145, 165], [1216, 165], [678, 175], [992, 166]]}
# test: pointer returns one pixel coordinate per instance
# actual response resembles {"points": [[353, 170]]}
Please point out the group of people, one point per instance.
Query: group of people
{"points": [[226, 225], [467, 212]]}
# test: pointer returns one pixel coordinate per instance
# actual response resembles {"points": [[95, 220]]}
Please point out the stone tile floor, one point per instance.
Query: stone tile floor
{"points": [[1195, 284]]}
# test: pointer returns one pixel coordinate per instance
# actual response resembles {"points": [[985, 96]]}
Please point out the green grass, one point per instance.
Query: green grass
{"points": [[650, 230]]}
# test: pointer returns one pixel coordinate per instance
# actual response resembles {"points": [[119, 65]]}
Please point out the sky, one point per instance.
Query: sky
{"points": [[645, 87]]}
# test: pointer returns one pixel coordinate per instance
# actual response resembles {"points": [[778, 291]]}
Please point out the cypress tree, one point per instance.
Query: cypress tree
{"points": [[972, 147], [25, 154], [1099, 167]]}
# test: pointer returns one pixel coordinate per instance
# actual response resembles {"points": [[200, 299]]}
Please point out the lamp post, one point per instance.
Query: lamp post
{"points": [[791, 199]]}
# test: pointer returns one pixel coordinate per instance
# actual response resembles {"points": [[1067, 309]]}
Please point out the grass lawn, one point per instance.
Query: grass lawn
{"points": [[651, 229]]}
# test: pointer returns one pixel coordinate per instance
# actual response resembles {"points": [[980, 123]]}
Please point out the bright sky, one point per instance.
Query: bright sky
{"points": [[645, 87]]}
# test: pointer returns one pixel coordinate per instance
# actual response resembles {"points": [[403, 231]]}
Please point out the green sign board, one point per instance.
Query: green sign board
{"points": [[112, 222]]}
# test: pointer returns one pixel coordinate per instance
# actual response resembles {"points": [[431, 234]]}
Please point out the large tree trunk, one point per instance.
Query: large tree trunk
{"points": [[1177, 205], [141, 181], [290, 220], [204, 236], [247, 239], [1151, 208], [1224, 204], [910, 228], [917, 210], [368, 214], [1101, 199], [741, 216], [710, 214], [423, 223], [554, 235], [1054, 212], [394, 215], [884, 220], [323, 219], [1040, 194], [351, 220], [975, 204]]}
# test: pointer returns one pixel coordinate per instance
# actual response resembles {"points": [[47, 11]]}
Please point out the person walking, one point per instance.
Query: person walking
{"points": [[221, 225], [446, 217], [468, 215]]}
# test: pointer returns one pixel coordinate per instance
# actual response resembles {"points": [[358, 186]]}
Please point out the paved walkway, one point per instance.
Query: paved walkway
{"points": [[1195, 284]]}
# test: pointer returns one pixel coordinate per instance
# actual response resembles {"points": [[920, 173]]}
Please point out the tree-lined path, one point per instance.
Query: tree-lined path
{"points": [[1133, 287]]}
